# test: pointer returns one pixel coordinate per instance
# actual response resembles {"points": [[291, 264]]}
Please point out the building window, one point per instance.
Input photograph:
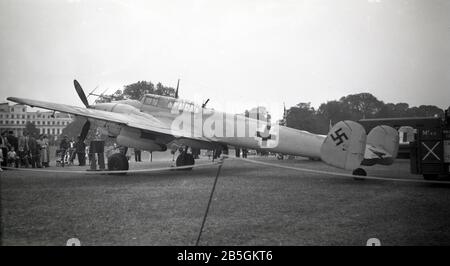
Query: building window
{"points": [[24, 110], [53, 131], [23, 116], [23, 122], [28, 116], [48, 131]]}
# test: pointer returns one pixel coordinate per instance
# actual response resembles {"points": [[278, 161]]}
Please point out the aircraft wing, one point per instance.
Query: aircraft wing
{"points": [[141, 121]]}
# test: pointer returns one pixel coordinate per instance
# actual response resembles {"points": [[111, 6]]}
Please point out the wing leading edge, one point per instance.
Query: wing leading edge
{"points": [[142, 121]]}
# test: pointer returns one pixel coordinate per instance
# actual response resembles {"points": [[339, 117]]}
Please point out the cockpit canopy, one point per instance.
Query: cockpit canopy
{"points": [[170, 103]]}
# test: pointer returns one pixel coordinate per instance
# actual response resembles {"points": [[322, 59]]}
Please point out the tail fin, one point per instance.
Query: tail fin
{"points": [[344, 145], [382, 146]]}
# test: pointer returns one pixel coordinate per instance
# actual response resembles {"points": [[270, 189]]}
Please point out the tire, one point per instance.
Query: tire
{"points": [[185, 159], [359, 172], [117, 162]]}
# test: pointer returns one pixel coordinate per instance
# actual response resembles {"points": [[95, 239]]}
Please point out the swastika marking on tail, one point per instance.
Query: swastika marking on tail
{"points": [[339, 137]]}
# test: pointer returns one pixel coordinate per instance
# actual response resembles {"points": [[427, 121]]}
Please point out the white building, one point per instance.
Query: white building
{"points": [[15, 117]]}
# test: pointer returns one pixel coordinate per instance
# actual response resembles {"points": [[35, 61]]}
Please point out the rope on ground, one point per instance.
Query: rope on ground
{"points": [[111, 172], [210, 199], [343, 174]]}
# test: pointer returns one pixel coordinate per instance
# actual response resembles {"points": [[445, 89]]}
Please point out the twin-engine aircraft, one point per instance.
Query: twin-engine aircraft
{"points": [[156, 123]]}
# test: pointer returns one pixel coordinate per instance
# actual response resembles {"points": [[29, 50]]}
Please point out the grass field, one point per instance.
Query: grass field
{"points": [[253, 205]]}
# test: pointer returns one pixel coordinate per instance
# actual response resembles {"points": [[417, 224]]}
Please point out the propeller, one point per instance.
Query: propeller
{"points": [[204, 104], [87, 124], [176, 92], [85, 130], [81, 93]]}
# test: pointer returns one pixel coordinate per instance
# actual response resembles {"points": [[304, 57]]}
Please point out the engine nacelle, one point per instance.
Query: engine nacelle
{"points": [[130, 137]]}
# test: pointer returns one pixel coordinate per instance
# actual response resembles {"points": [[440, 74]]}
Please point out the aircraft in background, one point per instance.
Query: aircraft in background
{"points": [[156, 123]]}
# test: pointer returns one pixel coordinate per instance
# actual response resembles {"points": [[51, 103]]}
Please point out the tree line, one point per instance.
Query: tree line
{"points": [[136, 90], [351, 107]]}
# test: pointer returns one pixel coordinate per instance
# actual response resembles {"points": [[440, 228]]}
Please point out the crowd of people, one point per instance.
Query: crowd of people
{"points": [[34, 150], [24, 151], [31, 150]]}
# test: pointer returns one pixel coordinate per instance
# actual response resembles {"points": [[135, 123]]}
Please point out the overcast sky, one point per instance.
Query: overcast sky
{"points": [[244, 51]]}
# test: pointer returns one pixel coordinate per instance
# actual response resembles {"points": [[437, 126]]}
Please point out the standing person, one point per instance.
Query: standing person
{"points": [[237, 152], [13, 140], [72, 151], [35, 150], [137, 155], [63, 147], [87, 151], [47, 151], [244, 153], [44, 150], [80, 149], [4, 147], [97, 152], [24, 150]]}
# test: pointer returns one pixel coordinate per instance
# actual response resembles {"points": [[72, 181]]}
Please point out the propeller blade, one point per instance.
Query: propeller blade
{"points": [[204, 104], [176, 92], [85, 130], [81, 93]]}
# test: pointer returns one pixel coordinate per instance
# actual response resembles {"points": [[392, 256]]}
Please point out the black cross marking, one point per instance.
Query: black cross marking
{"points": [[265, 135], [338, 136]]}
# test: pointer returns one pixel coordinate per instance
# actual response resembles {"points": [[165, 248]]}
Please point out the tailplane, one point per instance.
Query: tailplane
{"points": [[344, 145], [382, 146]]}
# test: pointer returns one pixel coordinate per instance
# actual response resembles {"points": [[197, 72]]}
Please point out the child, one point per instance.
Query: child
{"points": [[13, 158]]}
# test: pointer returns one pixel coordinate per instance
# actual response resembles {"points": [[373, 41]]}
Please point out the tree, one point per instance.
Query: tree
{"points": [[362, 105], [334, 111], [304, 117], [135, 91], [31, 129], [426, 111], [163, 90]]}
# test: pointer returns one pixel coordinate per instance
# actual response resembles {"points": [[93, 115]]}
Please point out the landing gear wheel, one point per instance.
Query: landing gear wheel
{"points": [[359, 172], [185, 159], [117, 162]]}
